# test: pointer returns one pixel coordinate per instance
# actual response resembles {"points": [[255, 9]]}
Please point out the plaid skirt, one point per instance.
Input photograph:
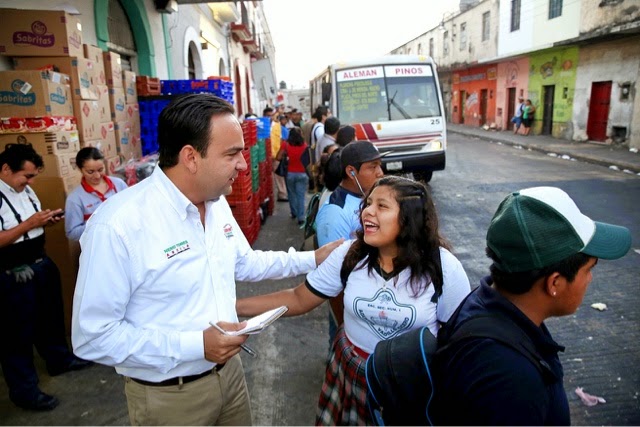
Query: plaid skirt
{"points": [[344, 391]]}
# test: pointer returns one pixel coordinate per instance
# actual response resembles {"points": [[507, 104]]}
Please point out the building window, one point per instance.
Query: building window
{"points": [[515, 15], [419, 48], [408, 51], [555, 8], [431, 47], [463, 36], [486, 23], [445, 44]]}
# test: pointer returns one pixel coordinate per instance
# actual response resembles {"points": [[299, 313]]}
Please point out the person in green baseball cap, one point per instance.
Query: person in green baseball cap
{"points": [[543, 251]]}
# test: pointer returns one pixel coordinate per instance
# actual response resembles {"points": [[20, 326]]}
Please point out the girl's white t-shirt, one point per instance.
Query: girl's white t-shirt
{"points": [[376, 309]]}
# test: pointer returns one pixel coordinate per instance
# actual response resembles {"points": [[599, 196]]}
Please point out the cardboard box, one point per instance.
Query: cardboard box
{"points": [[112, 163], [104, 103], [133, 116], [40, 33], [94, 53], [59, 166], [88, 117], [118, 104], [128, 141], [80, 70], [12, 125], [33, 94], [46, 143], [129, 85], [112, 69], [107, 142]]}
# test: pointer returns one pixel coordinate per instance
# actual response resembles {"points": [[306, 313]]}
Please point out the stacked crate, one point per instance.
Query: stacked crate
{"points": [[244, 198], [266, 177]]}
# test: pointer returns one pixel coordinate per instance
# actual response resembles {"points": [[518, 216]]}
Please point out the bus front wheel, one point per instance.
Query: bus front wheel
{"points": [[424, 176]]}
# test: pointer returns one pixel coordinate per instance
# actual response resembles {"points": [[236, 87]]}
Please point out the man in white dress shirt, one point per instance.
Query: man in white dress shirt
{"points": [[159, 262]]}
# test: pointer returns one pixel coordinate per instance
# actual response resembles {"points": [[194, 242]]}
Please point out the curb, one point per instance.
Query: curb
{"points": [[582, 157]]}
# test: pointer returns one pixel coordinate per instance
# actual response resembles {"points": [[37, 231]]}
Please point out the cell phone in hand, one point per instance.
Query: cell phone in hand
{"points": [[58, 215]]}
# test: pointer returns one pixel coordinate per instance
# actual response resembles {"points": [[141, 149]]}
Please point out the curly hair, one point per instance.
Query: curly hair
{"points": [[418, 241]]}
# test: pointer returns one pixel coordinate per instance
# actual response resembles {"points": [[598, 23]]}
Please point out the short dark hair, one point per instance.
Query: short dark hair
{"points": [[333, 172], [187, 121], [15, 155], [521, 282], [88, 153], [345, 135], [331, 125], [267, 111], [295, 137], [322, 110]]}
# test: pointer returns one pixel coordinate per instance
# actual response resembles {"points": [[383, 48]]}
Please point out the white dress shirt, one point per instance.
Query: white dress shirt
{"points": [[23, 202], [151, 279]]}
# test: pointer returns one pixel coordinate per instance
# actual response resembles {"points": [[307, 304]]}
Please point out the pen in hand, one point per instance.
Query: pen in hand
{"points": [[242, 346]]}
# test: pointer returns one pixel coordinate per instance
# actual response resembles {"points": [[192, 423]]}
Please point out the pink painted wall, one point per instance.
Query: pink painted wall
{"points": [[512, 73]]}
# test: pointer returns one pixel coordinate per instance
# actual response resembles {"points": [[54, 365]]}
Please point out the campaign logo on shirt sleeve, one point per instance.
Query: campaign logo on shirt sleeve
{"points": [[385, 316], [176, 249]]}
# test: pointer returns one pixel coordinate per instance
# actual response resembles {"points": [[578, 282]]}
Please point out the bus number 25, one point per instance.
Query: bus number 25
{"points": [[435, 121]]}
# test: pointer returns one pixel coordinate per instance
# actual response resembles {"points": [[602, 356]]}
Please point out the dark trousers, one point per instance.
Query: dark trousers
{"points": [[31, 314]]}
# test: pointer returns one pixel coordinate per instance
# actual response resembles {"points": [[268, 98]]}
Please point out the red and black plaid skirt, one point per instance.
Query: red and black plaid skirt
{"points": [[342, 399]]}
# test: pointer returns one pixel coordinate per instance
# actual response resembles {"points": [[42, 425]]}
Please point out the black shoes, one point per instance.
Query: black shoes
{"points": [[42, 402], [75, 364]]}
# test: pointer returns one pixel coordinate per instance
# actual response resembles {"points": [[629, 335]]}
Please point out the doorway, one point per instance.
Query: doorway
{"points": [[483, 106], [547, 113], [511, 107], [599, 111], [463, 101]]}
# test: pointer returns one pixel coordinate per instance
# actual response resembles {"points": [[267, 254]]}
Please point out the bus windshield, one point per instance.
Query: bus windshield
{"points": [[386, 93]]}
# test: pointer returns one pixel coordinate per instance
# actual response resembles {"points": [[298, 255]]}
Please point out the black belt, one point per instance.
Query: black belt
{"points": [[176, 380]]}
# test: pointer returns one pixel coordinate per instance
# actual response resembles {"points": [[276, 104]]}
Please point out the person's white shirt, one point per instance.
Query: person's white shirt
{"points": [[26, 203], [151, 279], [376, 309]]}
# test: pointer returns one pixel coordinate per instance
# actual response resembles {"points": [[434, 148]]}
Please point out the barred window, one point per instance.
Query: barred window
{"points": [[515, 14], [555, 8]]}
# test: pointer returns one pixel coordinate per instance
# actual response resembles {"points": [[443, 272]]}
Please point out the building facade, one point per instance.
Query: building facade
{"points": [[177, 39], [577, 61]]}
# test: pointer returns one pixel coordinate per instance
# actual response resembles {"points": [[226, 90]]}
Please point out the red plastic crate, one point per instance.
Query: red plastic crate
{"points": [[245, 212]]}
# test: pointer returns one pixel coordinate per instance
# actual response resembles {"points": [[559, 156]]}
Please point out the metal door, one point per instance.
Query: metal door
{"points": [[547, 118], [599, 111], [463, 102]]}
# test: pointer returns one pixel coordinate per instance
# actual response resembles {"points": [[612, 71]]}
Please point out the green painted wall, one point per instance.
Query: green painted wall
{"points": [[137, 14], [554, 67]]}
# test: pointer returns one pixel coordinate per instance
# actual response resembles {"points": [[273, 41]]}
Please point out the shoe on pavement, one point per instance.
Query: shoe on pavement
{"points": [[42, 402], [74, 364]]}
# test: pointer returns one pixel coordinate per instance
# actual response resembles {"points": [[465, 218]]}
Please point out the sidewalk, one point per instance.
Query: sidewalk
{"points": [[601, 154]]}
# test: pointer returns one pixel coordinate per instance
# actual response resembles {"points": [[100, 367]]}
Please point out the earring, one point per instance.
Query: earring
{"points": [[554, 294]]}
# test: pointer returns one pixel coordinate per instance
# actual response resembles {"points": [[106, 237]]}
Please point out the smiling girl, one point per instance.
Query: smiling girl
{"points": [[397, 275]]}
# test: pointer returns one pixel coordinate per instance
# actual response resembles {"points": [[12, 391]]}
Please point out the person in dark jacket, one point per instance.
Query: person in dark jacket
{"points": [[543, 251]]}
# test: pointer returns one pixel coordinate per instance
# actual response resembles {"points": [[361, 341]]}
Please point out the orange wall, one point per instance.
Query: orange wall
{"points": [[472, 81]]}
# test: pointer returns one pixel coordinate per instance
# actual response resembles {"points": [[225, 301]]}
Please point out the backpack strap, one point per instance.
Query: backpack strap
{"points": [[502, 329]]}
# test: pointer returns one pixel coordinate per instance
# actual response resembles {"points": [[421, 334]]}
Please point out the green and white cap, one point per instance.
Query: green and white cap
{"points": [[537, 227]]}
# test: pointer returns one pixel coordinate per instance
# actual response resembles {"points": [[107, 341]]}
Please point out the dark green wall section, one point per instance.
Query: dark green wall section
{"points": [[141, 32]]}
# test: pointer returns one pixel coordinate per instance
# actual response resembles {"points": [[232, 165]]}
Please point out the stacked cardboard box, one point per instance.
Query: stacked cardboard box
{"points": [[124, 108], [37, 98]]}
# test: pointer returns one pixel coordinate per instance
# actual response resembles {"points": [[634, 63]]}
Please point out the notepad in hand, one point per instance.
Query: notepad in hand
{"points": [[256, 324]]}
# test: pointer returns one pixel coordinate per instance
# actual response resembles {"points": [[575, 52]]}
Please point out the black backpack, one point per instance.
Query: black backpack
{"points": [[309, 225], [400, 384]]}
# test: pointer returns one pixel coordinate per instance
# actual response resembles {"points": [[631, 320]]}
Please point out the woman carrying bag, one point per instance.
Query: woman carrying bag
{"points": [[294, 154]]}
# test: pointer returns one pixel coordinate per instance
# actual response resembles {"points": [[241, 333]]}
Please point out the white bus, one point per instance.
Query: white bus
{"points": [[395, 102]]}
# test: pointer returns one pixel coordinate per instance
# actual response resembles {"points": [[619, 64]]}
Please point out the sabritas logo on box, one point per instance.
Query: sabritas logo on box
{"points": [[37, 37], [16, 96], [58, 97]]}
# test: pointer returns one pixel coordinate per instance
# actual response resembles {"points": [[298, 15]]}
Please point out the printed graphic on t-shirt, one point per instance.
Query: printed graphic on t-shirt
{"points": [[176, 249], [384, 315]]}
